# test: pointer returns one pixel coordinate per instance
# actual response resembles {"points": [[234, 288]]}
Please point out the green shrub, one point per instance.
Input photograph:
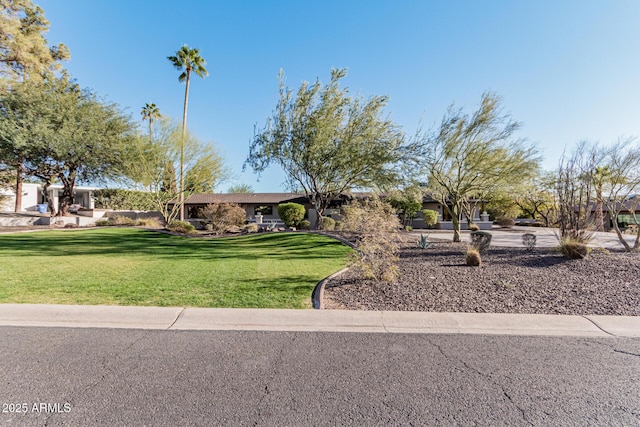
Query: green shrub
{"points": [[408, 228], [181, 227], [149, 222], [430, 217], [304, 225], [505, 222], [338, 225], [103, 223], [291, 213], [481, 240], [118, 199], [574, 249], [328, 223], [473, 257]]}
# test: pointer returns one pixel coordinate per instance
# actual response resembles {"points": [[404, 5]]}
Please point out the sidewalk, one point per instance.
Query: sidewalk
{"points": [[176, 318]]}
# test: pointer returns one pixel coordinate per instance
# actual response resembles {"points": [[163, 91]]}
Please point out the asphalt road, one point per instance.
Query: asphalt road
{"points": [[114, 377]]}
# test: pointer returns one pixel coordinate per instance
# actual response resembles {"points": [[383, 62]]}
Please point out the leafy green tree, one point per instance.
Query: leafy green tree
{"points": [[24, 55], [65, 133], [240, 188], [24, 51], [407, 203], [155, 165], [328, 142], [187, 61], [469, 156]]}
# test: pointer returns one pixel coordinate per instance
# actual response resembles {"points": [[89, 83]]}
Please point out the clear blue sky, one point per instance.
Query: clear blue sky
{"points": [[567, 69]]}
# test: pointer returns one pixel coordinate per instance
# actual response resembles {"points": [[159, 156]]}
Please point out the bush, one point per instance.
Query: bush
{"points": [[250, 228], [149, 222], [529, 241], [377, 251], [328, 223], [474, 227], [481, 240], [430, 217], [291, 213], [123, 220], [103, 223], [505, 222], [181, 227], [574, 249], [118, 199], [223, 216], [473, 257], [304, 225], [339, 225]]}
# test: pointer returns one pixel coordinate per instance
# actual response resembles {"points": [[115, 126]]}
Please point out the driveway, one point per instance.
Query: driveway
{"points": [[545, 237]]}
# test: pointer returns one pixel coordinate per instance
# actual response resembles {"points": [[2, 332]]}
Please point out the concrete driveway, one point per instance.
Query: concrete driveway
{"points": [[545, 237]]}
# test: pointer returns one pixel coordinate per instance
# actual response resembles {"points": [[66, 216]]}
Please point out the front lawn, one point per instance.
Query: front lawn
{"points": [[129, 266]]}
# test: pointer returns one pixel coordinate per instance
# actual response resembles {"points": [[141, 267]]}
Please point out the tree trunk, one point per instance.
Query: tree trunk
{"points": [[184, 130], [67, 194], [18, 204], [599, 222]]}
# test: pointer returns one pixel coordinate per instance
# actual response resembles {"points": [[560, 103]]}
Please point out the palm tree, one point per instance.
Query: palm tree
{"points": [[186, 60], [150, 112]]}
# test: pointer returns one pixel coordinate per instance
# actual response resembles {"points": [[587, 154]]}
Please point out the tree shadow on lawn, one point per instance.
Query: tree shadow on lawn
{"points": [[147, 242]]}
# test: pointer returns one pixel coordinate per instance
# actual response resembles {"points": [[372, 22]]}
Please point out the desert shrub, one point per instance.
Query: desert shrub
{"points": [[149, 222], [430, 217], [250, 228], [472, 257], [481, 240], [377, 251], [474, 227], [181, 227], [338, 226], [103, 223], [505, 222], [574, 249], [529, 241], [328, 223], [408, 228], [291, 213], [223, 216], [71, 225], [123, 220], [304, 225]]}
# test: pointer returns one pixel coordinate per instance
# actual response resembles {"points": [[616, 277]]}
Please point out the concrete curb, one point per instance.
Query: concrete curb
{"points": [[317, 296], [176, 318]]}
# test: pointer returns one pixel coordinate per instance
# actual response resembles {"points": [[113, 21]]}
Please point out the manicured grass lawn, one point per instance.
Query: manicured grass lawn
{"points": [[129, 266]]}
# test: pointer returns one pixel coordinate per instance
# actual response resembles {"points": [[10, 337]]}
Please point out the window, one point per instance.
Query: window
{"points": [[264, 210]]}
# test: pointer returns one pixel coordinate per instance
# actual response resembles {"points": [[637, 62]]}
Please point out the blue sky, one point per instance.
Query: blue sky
{"points": [[568, 70]]}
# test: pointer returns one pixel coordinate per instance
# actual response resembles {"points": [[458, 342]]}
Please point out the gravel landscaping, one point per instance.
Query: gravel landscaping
{"points": [[510, 280]]}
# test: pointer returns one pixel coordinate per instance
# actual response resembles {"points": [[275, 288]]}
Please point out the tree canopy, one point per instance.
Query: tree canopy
{"points": [[469, 156], [63, 133], [328, 142]]}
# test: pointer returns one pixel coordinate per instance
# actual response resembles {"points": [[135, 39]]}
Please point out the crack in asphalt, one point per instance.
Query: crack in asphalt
{"points": [[626, 352], [489, 377], [278, 361]]}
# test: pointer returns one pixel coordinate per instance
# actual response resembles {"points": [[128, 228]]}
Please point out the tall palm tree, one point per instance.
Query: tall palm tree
{"points": [[150, 112], [186, 60]]}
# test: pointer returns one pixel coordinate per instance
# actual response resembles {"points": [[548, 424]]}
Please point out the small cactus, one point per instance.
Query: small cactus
{"points": [[424, 243], [473, 257]]}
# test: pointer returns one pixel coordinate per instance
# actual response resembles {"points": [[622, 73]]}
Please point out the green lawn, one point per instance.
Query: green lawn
{"points": [[129, 266]]}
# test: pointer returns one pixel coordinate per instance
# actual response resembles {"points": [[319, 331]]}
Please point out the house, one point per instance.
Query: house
{"points": [[266, 204], [629, 213], [32, 196]]}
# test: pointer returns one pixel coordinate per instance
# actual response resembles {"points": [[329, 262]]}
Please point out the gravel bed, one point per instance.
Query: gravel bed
{"points": [[510, 280]]}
